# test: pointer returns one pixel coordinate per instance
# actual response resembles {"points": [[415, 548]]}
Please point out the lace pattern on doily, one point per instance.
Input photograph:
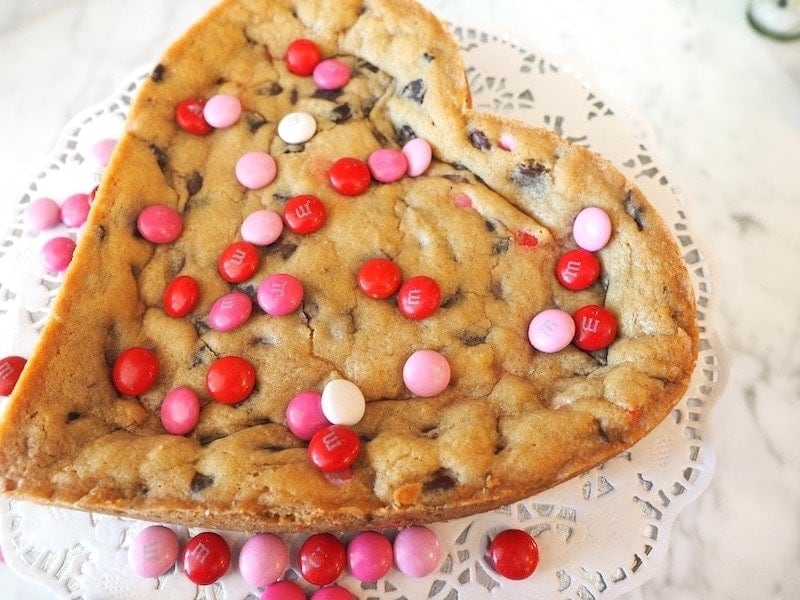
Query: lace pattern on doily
{"points": [[600, 534]]}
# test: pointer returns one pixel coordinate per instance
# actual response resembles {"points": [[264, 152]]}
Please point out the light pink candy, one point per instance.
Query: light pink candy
{"points": [[262, 227], [57, 254], [304, 415], [153, 551], [159, 224], [592, 229], [283, 590], [230, 311], [222, 110], [508, 142], [263, 559], [426, 373], [331, 74], [280, 294], [332, 592], [256, 170], [417, 551], [418, 154], [387, 165], [551, 330], [42, 214], [74, 210], [102, 149], [369, 556], [180, 410]]}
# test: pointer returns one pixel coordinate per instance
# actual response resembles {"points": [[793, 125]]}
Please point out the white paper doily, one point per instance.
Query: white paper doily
{"points": [[600, 534]]}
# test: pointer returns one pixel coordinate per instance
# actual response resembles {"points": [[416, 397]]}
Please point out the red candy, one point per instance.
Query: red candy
{"points": [[379, 278], [135, 371], [350, 176], [230, 379], [304, 214], [577, 269], [334, 448], [180, 296], [206, 558], [189, 116], [302, 56], [514, 554], [10, 370], [238, 262], [526, 239], [595, 328], [322, 559], [419, 297]]}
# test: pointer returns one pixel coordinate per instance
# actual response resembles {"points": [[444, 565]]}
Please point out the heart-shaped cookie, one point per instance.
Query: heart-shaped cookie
{"points": [[317, 290]]}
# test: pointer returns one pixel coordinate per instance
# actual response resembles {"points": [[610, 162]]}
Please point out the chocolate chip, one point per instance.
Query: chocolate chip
{"points": [[528, 174], [496, 289], [101, 233], [272, 448], [205, 440], [263, 340], [176, 264], [284, 250], [273, 89], [281, 197], [440, 481], [635, 211], [158, 73], [456, 177], [162, 158], [73, 416], [601, 356], [200, 325], [490, 227], [471, 338], [428, 57], [341, 113], [479, 139], [404, 135], [200, 482], [453, 299], [331, 95], [501, 246], [293, 96], [254, 121], [194, 184], [415, 91]]}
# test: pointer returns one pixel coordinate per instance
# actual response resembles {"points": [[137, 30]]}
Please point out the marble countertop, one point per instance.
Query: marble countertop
{"points": [[725, 106]]}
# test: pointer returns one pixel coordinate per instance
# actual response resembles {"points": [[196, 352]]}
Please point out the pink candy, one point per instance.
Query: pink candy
{"points": [[304, 416], [153, 551], [592, 228], [332, 592], [426, 373], [387, 165], [180, 411], [230, 311], [263, 559], [417, 551], [369, 556], [159, 224], [262, 227], [280, 294], [551, 330], [331, 74], [283, 590], [222, 110], [74, 210], [507, 142], [42, 214], [256, 170], [418, 154], [57, 254]]}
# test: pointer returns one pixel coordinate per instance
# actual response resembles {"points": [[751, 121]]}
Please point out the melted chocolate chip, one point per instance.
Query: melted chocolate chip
{"points": [[254, 121], [501, 246], [415, 91], [272, 448], [341, 113], [431, 432], [404, 135], [440, 481], [101, 233], [200, 482], [263, 340], [331, 95], [471, 338], [205, 440], [73, 416], [635, 211], [367, 66], [281, 197], [479, 140], [200, 326], [194, 184], [176, 264], [293, 96], [490, 227], [157, 75], [162, 158], [284, 250], [453, 299], [248, 289], [428, 57], [527, 174], [496, 289], [273, 89], [456, 178]]}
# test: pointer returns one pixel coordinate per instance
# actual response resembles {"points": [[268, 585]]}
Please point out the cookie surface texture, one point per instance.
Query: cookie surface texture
{"points": [[486, 221]]}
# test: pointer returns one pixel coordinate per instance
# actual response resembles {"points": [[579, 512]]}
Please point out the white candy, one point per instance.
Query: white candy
{"points": [[342, 402], [297, 127]]}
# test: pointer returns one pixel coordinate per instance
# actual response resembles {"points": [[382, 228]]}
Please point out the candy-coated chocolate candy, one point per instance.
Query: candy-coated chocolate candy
{"points": [[297, 127], [189, 116], [331, 74], [262, 227], [419, 297], [230, 379], [222, 110], [350, 176], [304, 214], [426, 373], [256, 170], [135, 371], [280, 294], [592, 228], [595, 328], [551, 330], [369, 556], [379, 277], [181, 296], [41, 214], [10, 370], [417, 551], [101, 150], [263, 559], [283, 590], [577, 269], [180, 410], [238, 262], [332, 592], [514, 554], [154, 551], [206, 558], [462, 200], [507, 142], [57, 253], [418, 154], [387, 165], [159, 224], [302, 56], [342, 402], [230, 311], [322, 558], [74, 210], [304, 415], [334, 448], [526, 239]]}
